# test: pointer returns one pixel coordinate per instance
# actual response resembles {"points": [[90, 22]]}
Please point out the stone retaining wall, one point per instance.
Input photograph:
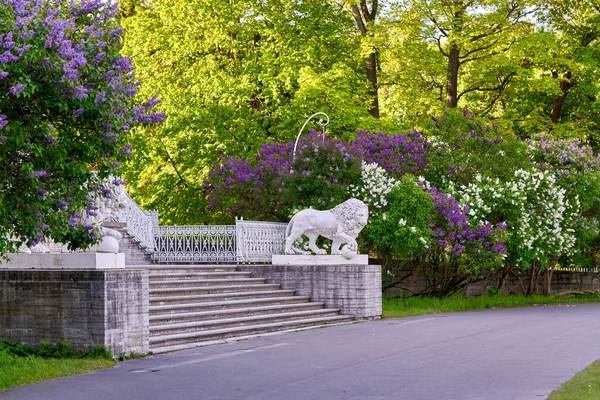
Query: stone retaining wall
{"points": [[86, 308], [354, 289], [562, 281]]}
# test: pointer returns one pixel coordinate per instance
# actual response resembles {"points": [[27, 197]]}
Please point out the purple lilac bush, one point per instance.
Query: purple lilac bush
{"points": [[66, 103], [239, 187], [398, 154], [274, 183], [452, 231]]}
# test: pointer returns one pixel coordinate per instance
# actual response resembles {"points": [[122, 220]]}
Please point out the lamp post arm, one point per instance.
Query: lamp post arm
{"points": [[321, 122]]}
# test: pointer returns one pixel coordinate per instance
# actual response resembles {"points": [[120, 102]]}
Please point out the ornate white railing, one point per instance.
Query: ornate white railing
{"points": [[199, 243], [258, 241], [244, 242], [139, 224]]}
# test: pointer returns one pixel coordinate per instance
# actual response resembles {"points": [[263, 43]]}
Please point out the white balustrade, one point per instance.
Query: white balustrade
{"points": [[245, 242], [258, 241], [199, 243], [139, 224]]}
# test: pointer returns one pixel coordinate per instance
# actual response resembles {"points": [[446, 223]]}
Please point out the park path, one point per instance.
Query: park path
{"points": [[519, 353]]}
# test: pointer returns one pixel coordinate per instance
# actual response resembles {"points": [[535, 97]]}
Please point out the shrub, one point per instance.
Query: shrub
{"points": [[272, 185], [399, 235], [62, 349], [576, 169], [320, 174], [398, 154], [251, 189], [463, 147]]}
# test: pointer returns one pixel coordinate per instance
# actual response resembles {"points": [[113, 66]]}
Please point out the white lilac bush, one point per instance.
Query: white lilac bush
{"points": [[539, 216], [374, 187]]}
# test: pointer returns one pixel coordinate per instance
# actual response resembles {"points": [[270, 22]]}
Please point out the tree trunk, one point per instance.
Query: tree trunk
{"points": [[363, 18], [559, 100], [452, 77], [372, 78], [505, 271], [548, 281], [533, 277]]}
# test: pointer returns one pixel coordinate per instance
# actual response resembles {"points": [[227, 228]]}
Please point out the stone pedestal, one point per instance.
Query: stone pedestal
{"points": [[354, 288], [64, 261], [311, 259], [84, 307]]}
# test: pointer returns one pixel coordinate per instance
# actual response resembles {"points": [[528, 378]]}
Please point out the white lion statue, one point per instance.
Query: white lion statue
{"points": [[341, 224]]}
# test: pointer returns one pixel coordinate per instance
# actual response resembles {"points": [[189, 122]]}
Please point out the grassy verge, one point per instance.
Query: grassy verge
{"points": [[15, 371], [585, 385], [23, 364], [398, 308]]}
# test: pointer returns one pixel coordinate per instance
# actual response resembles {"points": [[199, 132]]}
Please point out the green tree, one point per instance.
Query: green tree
{"points": [[234, 75], [561, 94], [451, 52], [365, 15]]}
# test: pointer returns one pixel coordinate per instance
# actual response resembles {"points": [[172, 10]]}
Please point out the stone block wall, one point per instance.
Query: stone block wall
{"points": [[515, 284], [86, 308], [354, 289]]}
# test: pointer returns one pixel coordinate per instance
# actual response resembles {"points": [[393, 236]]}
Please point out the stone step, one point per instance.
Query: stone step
{"points": [[184, 268], [161, 342], [180, 276], [169, 293], [199, 298], [234, 312], [198, 326], [225, 305], [192, 345], [203, 282]]}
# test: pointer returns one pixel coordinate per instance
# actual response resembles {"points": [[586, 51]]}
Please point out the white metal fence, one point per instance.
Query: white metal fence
{"points": [[201, 243], [244, 242]]}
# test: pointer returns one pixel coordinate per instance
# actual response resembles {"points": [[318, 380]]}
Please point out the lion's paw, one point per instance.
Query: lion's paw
{"points": [[352, 246], [321, 251]]}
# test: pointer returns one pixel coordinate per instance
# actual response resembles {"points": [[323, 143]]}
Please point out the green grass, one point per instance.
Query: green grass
{"points": [[584, 386], [16, 371], [409, 307]]}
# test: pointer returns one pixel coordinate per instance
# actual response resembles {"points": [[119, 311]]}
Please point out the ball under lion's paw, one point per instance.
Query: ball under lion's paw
{"points": [[348, 253]]}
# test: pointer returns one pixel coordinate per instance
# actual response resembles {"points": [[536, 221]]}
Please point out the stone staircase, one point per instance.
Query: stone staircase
{"points": [[135, 252], [195, 305]]}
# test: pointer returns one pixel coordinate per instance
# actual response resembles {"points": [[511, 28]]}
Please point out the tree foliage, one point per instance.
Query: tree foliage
{"points": [[560, 95], [232, 76], [236, 75]]}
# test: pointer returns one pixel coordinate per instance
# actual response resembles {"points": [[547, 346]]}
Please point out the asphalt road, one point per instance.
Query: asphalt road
{"points": [[521, 353]]}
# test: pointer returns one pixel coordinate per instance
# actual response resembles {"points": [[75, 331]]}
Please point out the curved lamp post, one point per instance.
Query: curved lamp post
{"points": [[321, 122]]}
